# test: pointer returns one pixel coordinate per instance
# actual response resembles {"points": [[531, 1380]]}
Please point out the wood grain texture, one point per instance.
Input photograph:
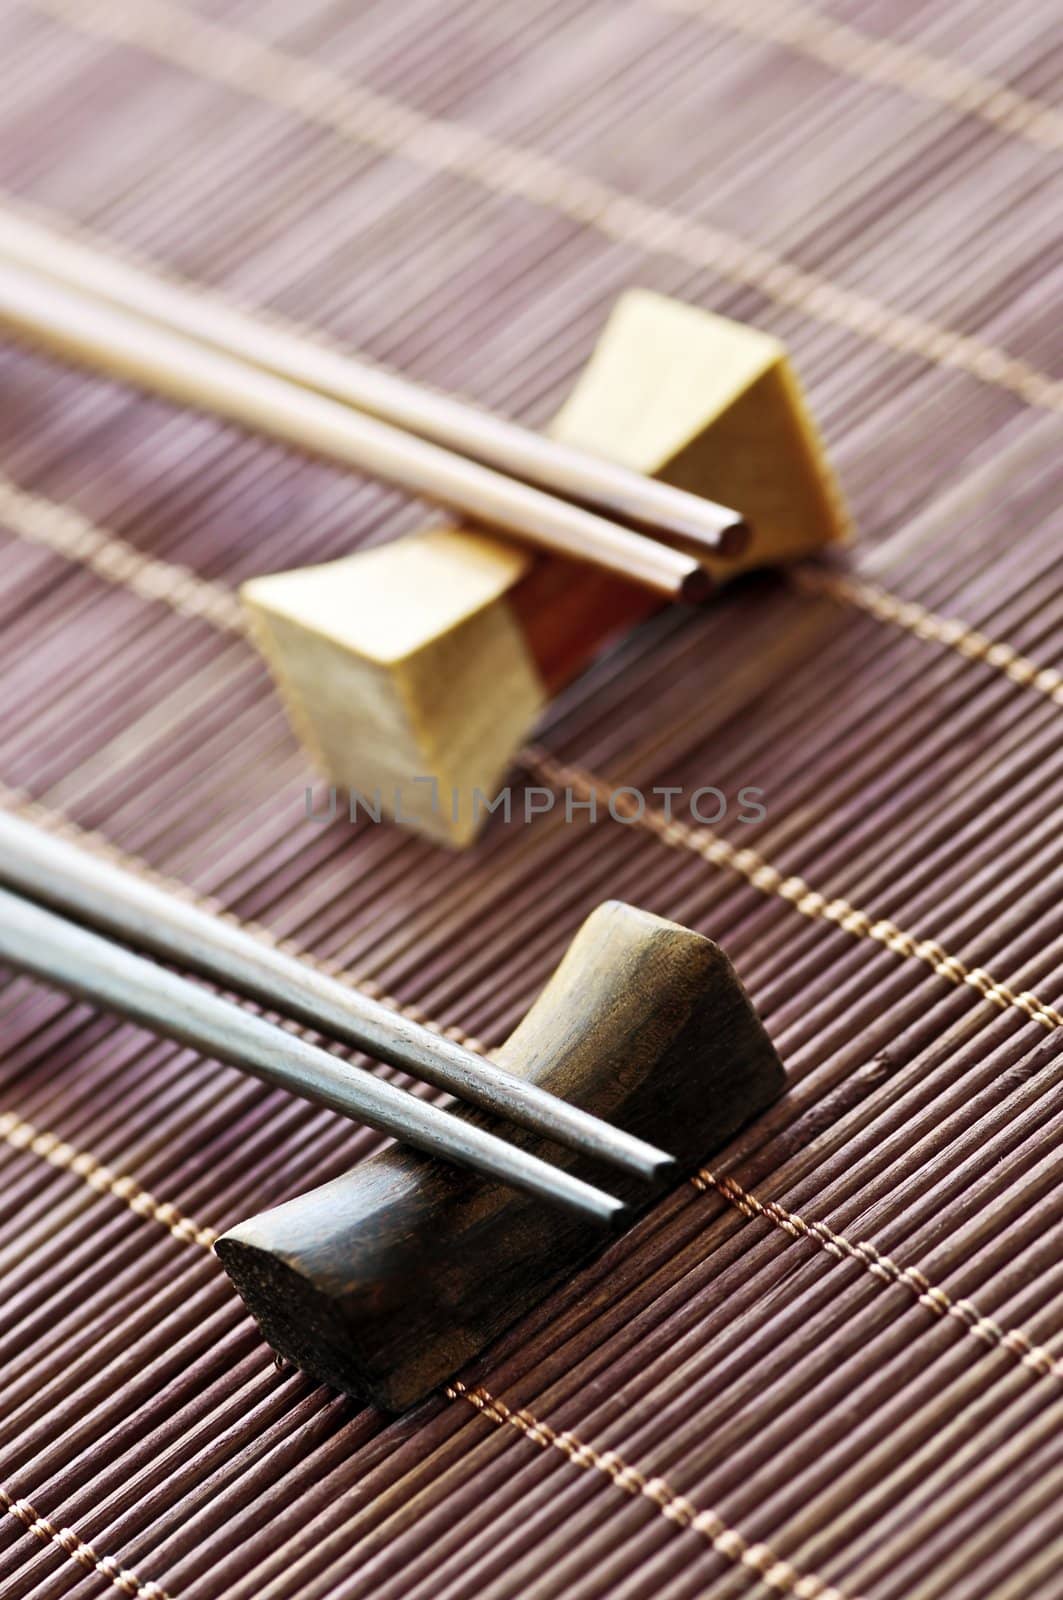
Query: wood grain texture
{"points": [[432, 658], [818, 1407], [389, 1280], [405, 673]]}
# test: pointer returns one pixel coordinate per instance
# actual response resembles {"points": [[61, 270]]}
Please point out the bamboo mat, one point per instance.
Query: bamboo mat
{"points": [[832, 1366]]}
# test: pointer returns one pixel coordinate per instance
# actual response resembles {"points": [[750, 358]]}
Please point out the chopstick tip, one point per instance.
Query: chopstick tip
{"points": [[696, 587], [735, 539], [665, 1169]]}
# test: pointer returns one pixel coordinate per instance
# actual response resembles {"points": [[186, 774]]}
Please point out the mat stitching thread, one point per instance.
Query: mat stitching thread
{"points": [[22, 1135], [720, 853], [929, 1295], [881, 60], [913, 618], [80, 1552], [22, 805], [68, 533], [776, 1573], [809, 902], [758, 1557], [702, 841], [64, 531], [325, 98], [674, 1507]]}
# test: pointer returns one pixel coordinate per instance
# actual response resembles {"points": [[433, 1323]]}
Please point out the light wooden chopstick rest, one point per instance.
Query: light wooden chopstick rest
{"points": [[433, 657]]}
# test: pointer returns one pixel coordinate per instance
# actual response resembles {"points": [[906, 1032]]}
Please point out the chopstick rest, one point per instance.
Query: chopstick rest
{"points": [[414, 671], [386, 1281], [642, 1056]]}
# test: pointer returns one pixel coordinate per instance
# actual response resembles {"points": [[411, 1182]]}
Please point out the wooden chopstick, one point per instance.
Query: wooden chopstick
{"points": [[82, 963], [60, 875], [94, 332], [687, 520]]}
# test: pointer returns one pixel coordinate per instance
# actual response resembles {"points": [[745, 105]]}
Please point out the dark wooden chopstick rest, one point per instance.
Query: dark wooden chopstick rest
{"points": [[386, 1281]]}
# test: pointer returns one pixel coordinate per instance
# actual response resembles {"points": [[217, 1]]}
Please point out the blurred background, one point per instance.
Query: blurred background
{"points": [[461, 190]]}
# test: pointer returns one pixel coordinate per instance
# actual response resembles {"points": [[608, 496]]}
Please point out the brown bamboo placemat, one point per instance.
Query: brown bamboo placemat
{"points": [[833, 1366]]}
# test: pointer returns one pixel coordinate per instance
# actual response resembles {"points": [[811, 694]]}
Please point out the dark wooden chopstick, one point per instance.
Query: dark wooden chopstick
{"points": [[37, 864], [72, 958], [690, 521]]}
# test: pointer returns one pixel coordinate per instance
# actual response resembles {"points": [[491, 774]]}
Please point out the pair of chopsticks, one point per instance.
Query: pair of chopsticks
{"points": [[97, 310], [55, 894]]}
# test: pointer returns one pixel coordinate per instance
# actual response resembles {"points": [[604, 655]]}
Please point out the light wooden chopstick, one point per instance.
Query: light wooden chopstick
{"points": [[91, 331], [691, 522]]}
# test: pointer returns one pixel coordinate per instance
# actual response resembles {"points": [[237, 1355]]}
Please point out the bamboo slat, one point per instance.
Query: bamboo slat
{"points": [[744, 1351]]}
